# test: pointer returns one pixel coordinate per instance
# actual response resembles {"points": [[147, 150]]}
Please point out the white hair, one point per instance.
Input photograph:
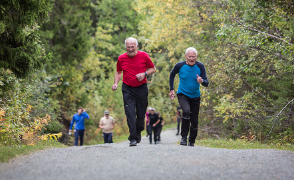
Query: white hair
{"points": [[149, 108], [191, 49], [131, 38]]}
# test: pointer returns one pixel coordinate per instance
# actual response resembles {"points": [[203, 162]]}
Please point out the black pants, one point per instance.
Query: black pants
{"points": [[178, 127], [159, 132], [107, 138], [135, 104], [155, 133], [149, 129], [79, 133], [190, 107]]}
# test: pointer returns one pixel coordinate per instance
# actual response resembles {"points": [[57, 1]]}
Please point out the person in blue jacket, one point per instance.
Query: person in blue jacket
{"points": [[192, 74], [79, 130]]}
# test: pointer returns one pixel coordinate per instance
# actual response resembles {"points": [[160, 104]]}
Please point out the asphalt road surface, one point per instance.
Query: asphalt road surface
{"points": [[166, 160]]}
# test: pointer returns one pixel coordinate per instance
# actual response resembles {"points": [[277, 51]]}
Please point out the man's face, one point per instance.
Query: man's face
{"points": [[191, 57], [106, 115], [131, 47], [152, 112], [80, 111]]}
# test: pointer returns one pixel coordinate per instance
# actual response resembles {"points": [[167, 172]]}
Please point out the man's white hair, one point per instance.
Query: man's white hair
{"points": [[191, 49], [131, 38]]}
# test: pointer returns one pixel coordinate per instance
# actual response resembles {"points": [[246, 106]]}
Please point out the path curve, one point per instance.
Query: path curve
{"points": [[150, 162]]}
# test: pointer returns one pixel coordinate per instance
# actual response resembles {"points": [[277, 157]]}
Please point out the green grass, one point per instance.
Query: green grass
{"points": [[240, 144], [219, 143], [168, 126], [9, 152], [117, 139], [235, 144]]}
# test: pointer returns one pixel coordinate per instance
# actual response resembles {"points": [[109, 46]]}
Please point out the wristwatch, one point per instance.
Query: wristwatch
{"points": [[146, 74]]}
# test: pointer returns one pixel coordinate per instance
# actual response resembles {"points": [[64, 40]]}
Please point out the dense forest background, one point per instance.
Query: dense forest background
{"points": [[58, 55]]}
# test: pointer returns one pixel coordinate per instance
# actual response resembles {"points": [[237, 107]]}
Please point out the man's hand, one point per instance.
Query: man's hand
{"points": [[84, 110], [117, 77], [154, 125], [172, 94], [114, 87], [199, 79], [140, 76]]}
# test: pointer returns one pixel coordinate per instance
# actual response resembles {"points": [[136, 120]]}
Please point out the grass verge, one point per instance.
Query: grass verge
{"points": [[168, 126], [9, 152], [241, 144], [219, 143]]}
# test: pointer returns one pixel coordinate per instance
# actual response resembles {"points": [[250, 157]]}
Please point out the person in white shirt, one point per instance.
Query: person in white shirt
{"points": [[107, 124]]}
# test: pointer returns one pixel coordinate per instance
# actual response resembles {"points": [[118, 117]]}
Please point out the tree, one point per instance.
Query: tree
{"points": [[20, 47], [247, 47], [66, 34], [67, 37], [116, 21], [258, 46]]}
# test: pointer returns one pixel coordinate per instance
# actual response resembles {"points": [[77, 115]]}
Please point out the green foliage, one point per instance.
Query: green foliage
{"points": [[20, 48], [118, 19], [259, 54], [66, 33], [247, 48], [115, 21], [26, 108], [53, 127]]}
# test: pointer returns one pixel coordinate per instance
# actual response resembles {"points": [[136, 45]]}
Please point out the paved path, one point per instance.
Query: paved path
{"points": [[150, 162]]}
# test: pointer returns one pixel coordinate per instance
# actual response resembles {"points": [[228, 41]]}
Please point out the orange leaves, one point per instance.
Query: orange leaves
{"points": [[30, 136], [250, 136], [29, 108], [29, 139], [24, 129], [2, 114]]}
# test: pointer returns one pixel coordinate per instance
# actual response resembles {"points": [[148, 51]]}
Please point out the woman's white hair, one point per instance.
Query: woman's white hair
{"points": [[191, 49], [131, 38]]}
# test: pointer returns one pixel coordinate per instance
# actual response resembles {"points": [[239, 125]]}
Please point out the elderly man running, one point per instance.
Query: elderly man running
{"points": [[192, 74], [135, 66]]}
